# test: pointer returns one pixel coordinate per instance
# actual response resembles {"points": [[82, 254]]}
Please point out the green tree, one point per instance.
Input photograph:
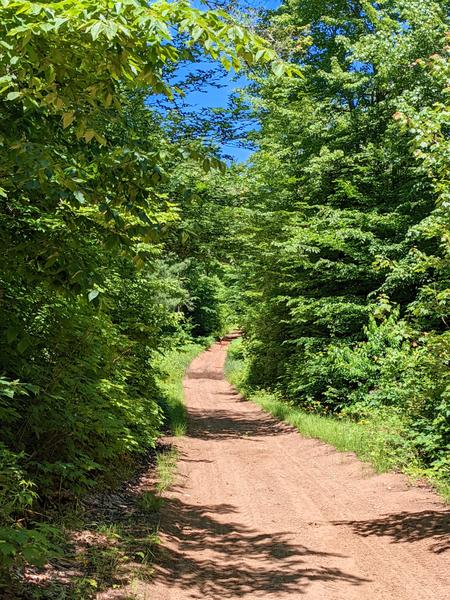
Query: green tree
{"points": [[89, 289], [347, 215]]}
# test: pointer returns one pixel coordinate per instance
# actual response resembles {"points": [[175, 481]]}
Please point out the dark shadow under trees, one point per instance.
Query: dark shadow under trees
{"points": [[217, 425], [404, 527]]}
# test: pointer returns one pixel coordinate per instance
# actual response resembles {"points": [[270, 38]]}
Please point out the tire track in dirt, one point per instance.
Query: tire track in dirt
{"points": [[259, 512]]}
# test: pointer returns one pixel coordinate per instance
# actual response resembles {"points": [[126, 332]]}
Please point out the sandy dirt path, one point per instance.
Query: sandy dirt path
{"points": [[259, 512]]}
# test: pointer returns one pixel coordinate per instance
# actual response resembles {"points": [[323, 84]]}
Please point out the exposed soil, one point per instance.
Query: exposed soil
{"points": [[259, 512]]}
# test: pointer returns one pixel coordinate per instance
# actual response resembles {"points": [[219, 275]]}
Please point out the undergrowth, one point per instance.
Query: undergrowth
{"points": [[117, 547], [165, 469], [379, 439], [112, 549]]}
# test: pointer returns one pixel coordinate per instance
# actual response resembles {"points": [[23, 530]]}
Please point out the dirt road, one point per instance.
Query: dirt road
{"points": [[259, 512]]}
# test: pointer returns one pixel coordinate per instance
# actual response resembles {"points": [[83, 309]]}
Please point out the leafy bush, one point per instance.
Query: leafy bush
{"points": [[20, 545], [16, 492]]}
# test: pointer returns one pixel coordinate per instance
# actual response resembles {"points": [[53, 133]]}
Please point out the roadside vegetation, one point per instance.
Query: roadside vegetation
{"points": [[104, 217], [380, 439], [172, 366], [111, 539], [344, 272]]}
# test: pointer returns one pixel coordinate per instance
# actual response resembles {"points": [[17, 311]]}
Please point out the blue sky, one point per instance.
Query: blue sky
{"points": [[217, 97], [213, 97]]}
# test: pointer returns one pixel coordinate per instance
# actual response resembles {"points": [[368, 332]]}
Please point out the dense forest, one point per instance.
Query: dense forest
{"points": [[125, 234], [346, 270]]}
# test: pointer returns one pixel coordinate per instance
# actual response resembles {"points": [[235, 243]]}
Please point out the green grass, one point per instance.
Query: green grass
{"points": [[442, 488], [166, 463], [379, 440], [346, 436], [150, 502], [172, 366]]}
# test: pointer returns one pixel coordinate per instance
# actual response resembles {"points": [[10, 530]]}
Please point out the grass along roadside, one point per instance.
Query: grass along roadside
{"points": [[166, 464], [379, 440], [120, 555], [172, 365]]}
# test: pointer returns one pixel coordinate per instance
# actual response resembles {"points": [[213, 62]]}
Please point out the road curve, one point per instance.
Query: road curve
{"points": [[259, 512]]}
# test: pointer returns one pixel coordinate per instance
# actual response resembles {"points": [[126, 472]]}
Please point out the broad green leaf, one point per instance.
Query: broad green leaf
{"points": [[68, 118], [79, 196], [92, 295], [96, 29]]}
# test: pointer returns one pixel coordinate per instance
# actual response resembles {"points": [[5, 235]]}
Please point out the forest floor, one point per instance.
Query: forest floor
{"points": [[257, 511]]}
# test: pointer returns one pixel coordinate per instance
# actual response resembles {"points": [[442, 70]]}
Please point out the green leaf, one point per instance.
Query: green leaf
{"points": [[96, 29], [278, 69], [13, 95], [23, 345], [88, 135], [7, 549], [260, 54], [92, 295], [196, 33], [226, 63], [11, 333], [68, 118], [79, 196]]}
